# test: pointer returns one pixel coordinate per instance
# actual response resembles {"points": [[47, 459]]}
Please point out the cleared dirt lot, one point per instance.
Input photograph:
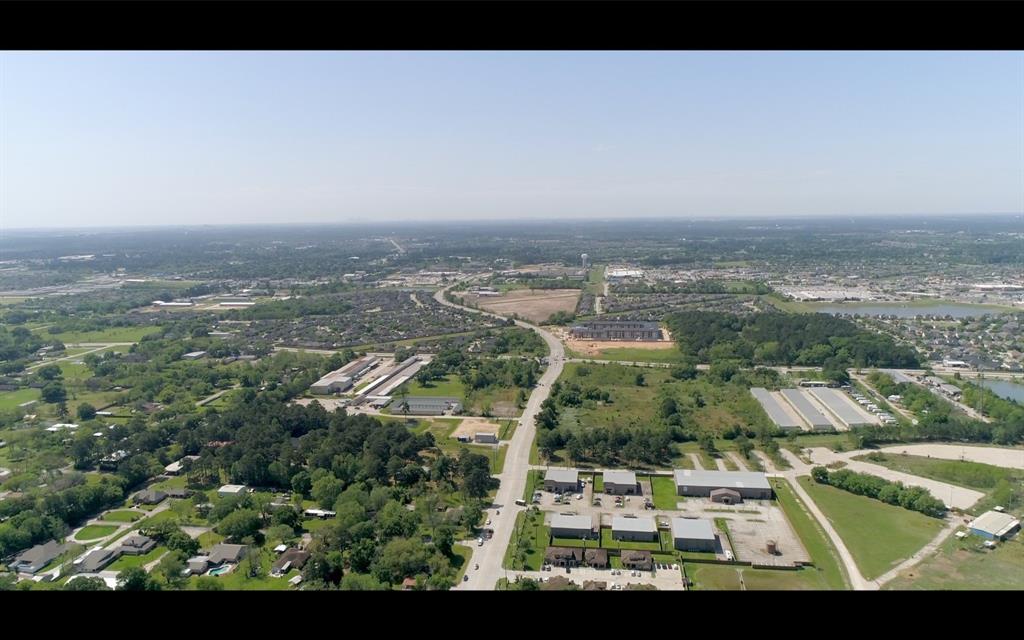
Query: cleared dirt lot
{"points": [[472, 426], [535, 305], [751, 525]]}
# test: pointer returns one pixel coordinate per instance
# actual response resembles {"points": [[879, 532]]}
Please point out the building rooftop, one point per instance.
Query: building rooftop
{"points": [[637, 525], [692, 529], [562, 475], [620, 477], [730, 479], [559, 521], [995, 523]]}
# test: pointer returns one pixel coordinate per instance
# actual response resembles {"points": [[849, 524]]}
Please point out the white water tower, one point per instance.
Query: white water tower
{"points": [[586, 260]]}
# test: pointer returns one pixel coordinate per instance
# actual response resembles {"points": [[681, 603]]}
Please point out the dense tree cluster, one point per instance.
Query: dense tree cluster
{"points": [[894, 493], [784, 338]]}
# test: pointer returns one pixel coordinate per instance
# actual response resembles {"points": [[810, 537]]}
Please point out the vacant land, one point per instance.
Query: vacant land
{"points": [[472, 426], [1003, 487], [712, 577], [535, 305], [121, 516], [878, 535], [529, 540], [823, 554], [635, 352], [11, 399], [113, 334], [967, 565]]}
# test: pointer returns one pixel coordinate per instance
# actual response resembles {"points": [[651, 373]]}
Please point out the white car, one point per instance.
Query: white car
{"points": [[479, 542], [488, 523]]}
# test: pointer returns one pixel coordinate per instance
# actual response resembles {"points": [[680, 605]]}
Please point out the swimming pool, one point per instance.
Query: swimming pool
{"points": [[219, 571]]}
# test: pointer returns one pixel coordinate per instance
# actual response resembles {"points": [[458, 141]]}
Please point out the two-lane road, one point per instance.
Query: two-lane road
{"points": [[517, 464]]}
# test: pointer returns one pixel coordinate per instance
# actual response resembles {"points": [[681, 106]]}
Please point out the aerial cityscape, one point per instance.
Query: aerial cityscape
{"points": [[305, 342]]}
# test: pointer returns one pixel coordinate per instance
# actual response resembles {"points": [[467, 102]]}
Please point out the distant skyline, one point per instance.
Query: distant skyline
{"points": [[96, 139]]}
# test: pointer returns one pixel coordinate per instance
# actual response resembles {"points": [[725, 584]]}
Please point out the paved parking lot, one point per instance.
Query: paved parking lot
{"points": [[665, 580]]}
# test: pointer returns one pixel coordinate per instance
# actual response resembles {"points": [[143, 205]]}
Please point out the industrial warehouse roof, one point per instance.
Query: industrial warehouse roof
{"points": [[692, 529], [560, 521], [562, 475], [994, 523], [715, 479], [638, 525], [627, 478]]}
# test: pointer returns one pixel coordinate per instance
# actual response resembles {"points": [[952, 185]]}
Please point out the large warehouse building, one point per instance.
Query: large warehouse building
{"points": [[427, 406], [634, 529], [620, 482], [750, 485], [562, 480], [611, 330]]}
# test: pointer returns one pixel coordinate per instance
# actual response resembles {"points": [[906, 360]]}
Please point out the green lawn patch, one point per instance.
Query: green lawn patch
{"points": [[610, 543], [664, 489], [823, 554], [631, 354], [125, 562], [460, 559], [448, 386], [11, 399], [534, 481], [529, 540], [121, 516], [598, 483], [878, 535], [95, 531]]}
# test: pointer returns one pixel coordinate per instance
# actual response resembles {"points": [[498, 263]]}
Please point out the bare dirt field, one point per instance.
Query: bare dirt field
{"points": [[535, 305], [595, 347], [472, 426]]}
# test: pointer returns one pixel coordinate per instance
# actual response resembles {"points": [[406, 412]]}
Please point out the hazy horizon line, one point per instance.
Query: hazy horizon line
{"points": [[524, 219]]}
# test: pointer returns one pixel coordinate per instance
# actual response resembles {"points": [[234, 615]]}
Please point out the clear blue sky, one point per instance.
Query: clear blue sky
{"points": [[98, 139]]}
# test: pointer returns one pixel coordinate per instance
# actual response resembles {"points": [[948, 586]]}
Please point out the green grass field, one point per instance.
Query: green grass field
{"points": [[121, 516], [632, 354], [714, 577], [534, 480], [461, 554], [449, 386], [11, 399], [95, 531], [823, 554], [878, 535], [595, 280], [664, 489], [113, 334], [529, 540], [965, 565], [125, 562], [610, 543]]}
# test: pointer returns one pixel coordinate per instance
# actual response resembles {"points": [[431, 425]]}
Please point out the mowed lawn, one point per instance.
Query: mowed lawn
{"points": [[113, 334], [713, 577], [878, 535], [95, 531], [965, 565], [664, 489], [11, 399], [127, 561], [121, 516]]}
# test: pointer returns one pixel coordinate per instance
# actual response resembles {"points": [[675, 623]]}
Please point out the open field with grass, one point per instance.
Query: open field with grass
{"points": [[715, 577], [823, 554], [664, 489], [11, 399], [95, 531], [113, 334], [967, 565], [662, 352], [1003, 487], [449, 386], [878, 535]]}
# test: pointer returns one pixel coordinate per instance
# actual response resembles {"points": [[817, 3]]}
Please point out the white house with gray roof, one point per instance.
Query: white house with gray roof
{"points": [[751, 485]]}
